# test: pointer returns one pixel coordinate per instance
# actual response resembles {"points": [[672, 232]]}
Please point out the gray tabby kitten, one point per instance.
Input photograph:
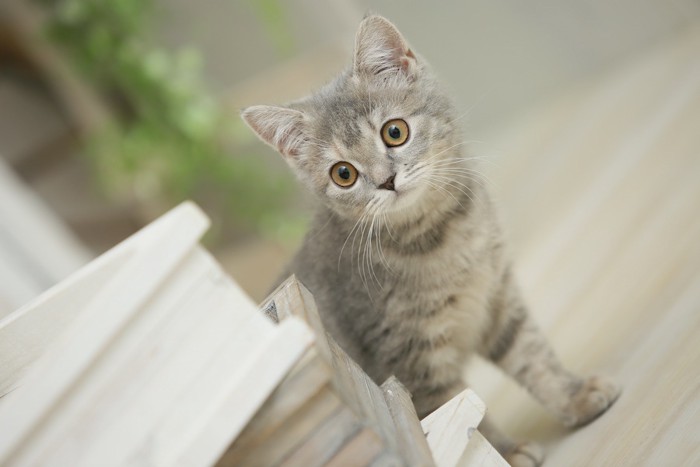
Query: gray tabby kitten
{"points": [[405, 256]]}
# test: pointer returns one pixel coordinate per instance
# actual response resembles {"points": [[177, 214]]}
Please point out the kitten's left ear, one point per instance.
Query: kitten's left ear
{"points": [[380, 48], [280, 127]]}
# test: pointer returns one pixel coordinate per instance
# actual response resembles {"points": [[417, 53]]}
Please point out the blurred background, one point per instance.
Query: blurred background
{"points": [[113, 111]]}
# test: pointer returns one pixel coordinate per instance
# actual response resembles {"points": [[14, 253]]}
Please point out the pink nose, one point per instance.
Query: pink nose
{"points": [[389, 183]]}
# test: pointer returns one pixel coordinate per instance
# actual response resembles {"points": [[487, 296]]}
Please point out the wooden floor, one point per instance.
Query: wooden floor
{"points": [[601, 197]]}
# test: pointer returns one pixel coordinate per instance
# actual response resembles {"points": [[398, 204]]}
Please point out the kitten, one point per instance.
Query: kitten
{"points": [[405, 256]]}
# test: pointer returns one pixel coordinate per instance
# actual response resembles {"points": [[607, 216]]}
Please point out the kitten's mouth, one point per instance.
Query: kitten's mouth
{"points": [[404, 198]]}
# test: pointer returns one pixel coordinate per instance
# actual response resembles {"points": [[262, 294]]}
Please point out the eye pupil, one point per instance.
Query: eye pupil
{"points": [[394, 132], [343, 172]]}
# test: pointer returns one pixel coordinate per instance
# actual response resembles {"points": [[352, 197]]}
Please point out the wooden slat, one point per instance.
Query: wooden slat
{"points": [[448, 428], [302, 401], [304, 382], [413, 446], [185, 368], [360, 450], [31, 331], [363, 396], [160, 361], [50, 380], [326, 441], [479, 452], [291, 298], [354, 387], [227, 415]]}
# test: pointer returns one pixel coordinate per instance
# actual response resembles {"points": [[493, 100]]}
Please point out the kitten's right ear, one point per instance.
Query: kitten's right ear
{"points": [[380, 48], [280, 127]]}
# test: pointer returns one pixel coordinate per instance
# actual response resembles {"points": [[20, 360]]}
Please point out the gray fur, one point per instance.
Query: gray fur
{"points": [[411, 282]]}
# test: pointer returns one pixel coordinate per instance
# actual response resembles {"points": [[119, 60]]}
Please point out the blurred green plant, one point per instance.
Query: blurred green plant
{"points": [[170, 139]]}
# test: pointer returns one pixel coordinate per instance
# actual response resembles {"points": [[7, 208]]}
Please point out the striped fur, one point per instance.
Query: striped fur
{"points": [[412, 282]]}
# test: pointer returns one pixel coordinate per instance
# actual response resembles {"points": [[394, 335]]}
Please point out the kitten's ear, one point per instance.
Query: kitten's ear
{"points": [[280, 127], [380, 48]]}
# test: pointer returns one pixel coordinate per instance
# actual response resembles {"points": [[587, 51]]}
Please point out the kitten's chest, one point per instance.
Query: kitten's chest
{"points": [[458, 273], [440, 257]]}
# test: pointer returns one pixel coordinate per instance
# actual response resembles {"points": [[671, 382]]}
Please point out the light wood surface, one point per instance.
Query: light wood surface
{"points": [[115, 303], [163, 363], [601, 196], [29, 332], [411, 439], [480, 453], [452, 425]]}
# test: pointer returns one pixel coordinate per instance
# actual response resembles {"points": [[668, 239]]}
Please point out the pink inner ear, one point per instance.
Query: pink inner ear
{"points": [[289, 145], [290, 138]]}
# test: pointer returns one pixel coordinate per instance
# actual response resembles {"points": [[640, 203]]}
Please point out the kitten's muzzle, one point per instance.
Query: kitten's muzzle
{"points": [[389, 183]]}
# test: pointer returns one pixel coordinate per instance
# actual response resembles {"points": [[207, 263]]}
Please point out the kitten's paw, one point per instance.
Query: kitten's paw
{"points": [[590, 401], [525, 455]]}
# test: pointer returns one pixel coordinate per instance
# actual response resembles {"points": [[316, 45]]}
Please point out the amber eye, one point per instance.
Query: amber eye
{"points": [[395, 132], [344, 174]]}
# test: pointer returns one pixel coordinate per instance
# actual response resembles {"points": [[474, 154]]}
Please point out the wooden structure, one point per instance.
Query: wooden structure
{"points": [[328, 412], [151, 355]]}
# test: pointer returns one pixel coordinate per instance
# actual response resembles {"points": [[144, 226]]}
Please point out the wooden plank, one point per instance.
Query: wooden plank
{"points": [[170, 240], [302, 401], [362, 395], [241, 327], [29, 332], [362, 449], [290, 404], [183, 352], [305, 381], [228, 414], [413, 447], [480, 453], [126, 399], [292, 298], [290, 434], [448, 428], [326, 441]]}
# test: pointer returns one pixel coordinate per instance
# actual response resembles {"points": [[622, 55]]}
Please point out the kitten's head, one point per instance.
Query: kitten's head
{"points": [[369, 141]]}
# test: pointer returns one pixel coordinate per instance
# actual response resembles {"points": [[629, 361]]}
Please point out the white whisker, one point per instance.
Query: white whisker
{"points": [[475, 176], [455, 184]]}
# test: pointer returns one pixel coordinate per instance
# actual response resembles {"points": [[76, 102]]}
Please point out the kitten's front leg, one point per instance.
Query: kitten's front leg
{"points": [[519, 348]]}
